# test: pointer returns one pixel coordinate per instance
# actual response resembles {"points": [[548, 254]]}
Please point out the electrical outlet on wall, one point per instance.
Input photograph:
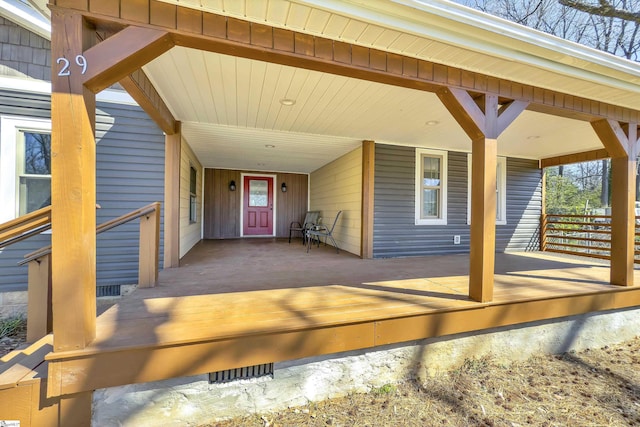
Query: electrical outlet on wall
{"points": [[456, 240]]}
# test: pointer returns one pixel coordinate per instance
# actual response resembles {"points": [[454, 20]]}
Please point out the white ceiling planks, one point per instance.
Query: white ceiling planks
{"points": [[230, 107], [205, 90]]}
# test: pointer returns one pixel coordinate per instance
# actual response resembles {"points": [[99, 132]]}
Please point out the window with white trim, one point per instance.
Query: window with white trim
{"points": [[501, 190], [431, 187], [193, 197], [25, 166]]}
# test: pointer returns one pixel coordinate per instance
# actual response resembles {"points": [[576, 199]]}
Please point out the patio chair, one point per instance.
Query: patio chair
{"points": [[320, 231], [310, 219]]}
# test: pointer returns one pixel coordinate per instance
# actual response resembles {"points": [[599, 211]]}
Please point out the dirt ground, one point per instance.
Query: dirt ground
{"points": [[592, 388]]}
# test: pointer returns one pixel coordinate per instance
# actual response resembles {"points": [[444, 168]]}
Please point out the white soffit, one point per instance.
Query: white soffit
{"points": [[451, 34], [230, 109]]}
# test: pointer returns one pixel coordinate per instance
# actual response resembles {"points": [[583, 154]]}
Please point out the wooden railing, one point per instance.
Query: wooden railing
{"points": [[39, 319], [583, 235], [25, 226], [39, 273]]}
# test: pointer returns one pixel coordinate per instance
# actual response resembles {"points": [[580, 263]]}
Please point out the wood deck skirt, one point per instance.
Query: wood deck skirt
{"points": [[178, 345]]}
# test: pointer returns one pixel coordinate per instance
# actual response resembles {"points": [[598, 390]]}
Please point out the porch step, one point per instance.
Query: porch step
{"points": [[25, 364], [23, 385]]}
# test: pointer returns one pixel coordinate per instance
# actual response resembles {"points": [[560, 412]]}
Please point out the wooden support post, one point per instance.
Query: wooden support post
{"points": [[483, 219], [621, 141], [623, 189], [173, 144], [483, 122], [73, 189], [368, 179], [75, 410], [39, 297], [543, 217], [149, 248]]}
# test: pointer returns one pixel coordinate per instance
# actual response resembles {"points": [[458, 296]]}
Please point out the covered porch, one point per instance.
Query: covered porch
{"points": [[237, 303], [218, 83]]}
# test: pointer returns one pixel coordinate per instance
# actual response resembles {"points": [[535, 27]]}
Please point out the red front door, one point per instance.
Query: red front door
{"points": [[258, 206]]}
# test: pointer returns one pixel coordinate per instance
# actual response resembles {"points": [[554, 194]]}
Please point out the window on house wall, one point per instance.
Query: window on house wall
{"points": [[193, 204], [431, 187], [501, 190], [25, 166]]}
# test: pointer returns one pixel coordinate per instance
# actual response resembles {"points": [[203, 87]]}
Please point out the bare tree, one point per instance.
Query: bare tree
{"points": [[609, 25]]}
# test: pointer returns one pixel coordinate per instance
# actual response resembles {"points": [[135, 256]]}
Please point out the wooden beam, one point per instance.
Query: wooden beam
{"points": [[39, 298], [368, 180], [75, 410], [568, 159], [216, 33], [123, 53], [464, 109], [138, 85], [613, 138], [623, 224], [149, 248], [173, 144], [483, 121], [73, 190], [483, 219], [146, 364], [508, 113], [621, 141]]}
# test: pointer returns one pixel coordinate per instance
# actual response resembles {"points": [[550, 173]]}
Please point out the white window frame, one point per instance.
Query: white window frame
{"points": [[9, 128], [443, 155], [193, 197], [501, 189]]}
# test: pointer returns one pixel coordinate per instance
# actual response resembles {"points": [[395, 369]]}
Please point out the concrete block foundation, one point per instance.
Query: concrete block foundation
{"points": [[193, 401]]}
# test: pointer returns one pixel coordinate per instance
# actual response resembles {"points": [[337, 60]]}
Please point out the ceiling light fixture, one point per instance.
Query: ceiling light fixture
{"points": [[432, 123], [269, 146], [287, 102]]}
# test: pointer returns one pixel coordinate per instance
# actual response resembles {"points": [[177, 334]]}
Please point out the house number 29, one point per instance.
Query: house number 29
{"points": [[81, 61]]}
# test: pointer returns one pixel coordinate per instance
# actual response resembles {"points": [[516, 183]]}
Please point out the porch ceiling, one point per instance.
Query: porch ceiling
{"points": [[230, 106], [231, 113]]}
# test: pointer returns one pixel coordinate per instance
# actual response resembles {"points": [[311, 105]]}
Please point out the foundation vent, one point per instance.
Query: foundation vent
{"points": [[255, 371], [108, 291]]}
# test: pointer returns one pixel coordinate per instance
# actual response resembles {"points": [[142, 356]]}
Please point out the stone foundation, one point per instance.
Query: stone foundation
{"points": [[13, 304], [193, 401]]}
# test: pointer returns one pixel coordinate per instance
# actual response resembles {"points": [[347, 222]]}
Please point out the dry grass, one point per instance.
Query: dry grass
{"points": [[592, 388]]}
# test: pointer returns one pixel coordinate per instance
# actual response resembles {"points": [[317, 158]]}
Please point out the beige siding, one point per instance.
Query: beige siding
{"points": [[338, 186], [189, 232]]}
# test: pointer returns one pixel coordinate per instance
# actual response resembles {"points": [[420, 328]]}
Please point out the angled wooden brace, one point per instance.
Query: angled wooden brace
{"points": [[483, 122]]}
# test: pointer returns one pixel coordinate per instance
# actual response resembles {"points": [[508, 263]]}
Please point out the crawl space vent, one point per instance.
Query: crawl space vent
{"points": [[255, 371]]}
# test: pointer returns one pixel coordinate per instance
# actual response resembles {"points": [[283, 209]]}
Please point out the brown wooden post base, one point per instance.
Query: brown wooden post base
{"points": [[623, 187]]}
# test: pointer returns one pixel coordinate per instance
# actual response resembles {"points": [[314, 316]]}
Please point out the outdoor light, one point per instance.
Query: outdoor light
{"points": [[283, 187], [232, 186]]}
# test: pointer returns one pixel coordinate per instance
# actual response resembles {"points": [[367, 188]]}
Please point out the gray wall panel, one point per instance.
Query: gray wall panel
{"points": [[395, 232], [129, 175]]}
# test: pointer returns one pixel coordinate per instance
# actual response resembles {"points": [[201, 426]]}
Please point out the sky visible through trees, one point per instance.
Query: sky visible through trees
{"points": [[612, 26]]}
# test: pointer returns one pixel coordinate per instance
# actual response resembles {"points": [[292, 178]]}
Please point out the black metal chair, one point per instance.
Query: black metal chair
{"points": [[320, 231], [310, 219]]}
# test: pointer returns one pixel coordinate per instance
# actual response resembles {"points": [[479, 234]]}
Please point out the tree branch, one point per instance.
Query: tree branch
{"points": [[605, 8]]}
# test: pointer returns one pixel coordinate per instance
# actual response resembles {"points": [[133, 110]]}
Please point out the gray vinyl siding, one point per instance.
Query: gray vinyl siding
{"points": [[395, 232], [129, 175]]}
